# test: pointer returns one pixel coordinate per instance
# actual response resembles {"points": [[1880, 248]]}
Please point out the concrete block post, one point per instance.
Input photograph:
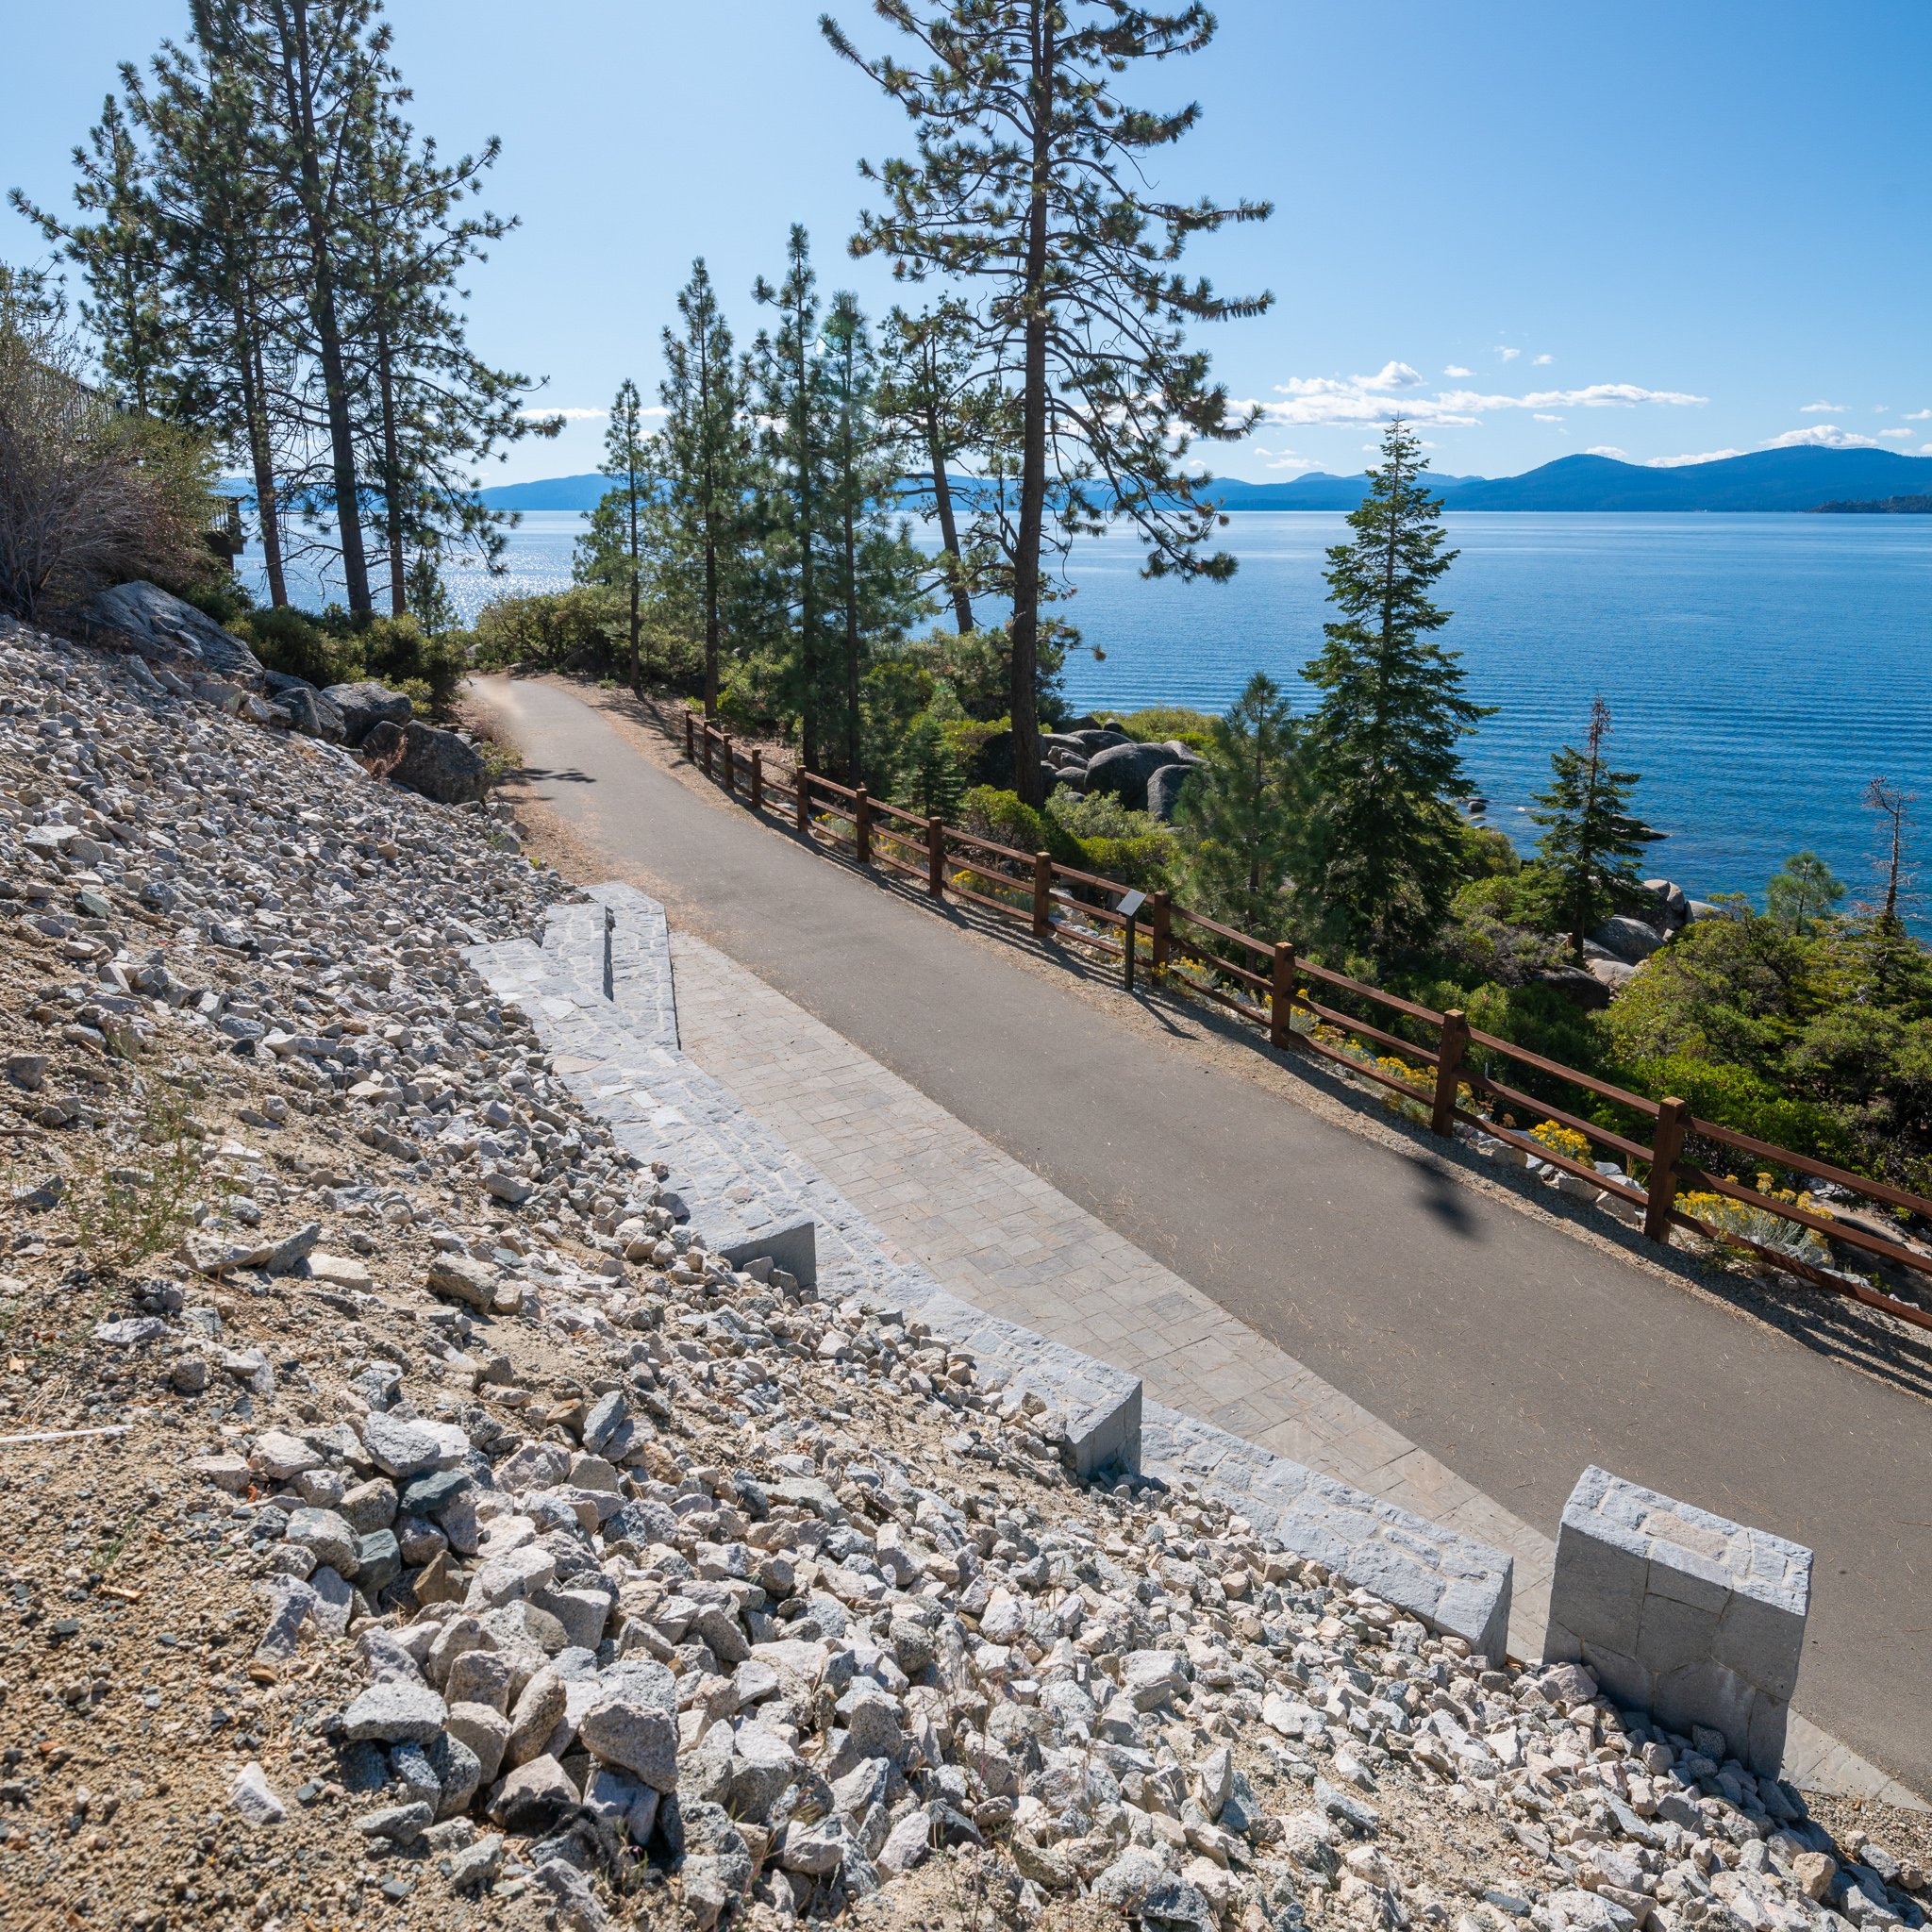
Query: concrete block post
{"points": [[1680, 1613]]}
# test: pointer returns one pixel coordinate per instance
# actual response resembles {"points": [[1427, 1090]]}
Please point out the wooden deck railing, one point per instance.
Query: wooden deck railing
{"points": [[1446, 1077]]}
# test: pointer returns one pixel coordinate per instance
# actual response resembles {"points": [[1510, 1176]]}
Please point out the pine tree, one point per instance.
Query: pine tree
{"points": [[428, 408], [1382, 743], [1803, 888], [611, 550], [1240, 815], [928, 394], [876, 569], [798, 501], [226, 239], [316, 71], [711, 471], [1029, 185], [121, 256], [1591, 841]]}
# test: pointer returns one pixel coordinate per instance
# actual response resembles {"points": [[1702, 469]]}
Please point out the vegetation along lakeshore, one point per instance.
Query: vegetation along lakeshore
{"points": [[567, 1508]]}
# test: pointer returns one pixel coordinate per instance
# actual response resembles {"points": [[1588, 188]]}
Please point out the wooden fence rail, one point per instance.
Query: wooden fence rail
{"points": [[1444, 1081]]}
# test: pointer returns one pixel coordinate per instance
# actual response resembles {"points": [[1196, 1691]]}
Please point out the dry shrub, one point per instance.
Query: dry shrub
{"points": [[90, 495]]}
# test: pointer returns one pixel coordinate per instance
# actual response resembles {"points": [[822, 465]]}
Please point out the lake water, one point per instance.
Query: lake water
{"points": [[1760, 670]]}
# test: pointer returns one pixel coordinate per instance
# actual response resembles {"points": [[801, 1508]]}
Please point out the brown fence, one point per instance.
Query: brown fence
{"points": [[1265, 983]]}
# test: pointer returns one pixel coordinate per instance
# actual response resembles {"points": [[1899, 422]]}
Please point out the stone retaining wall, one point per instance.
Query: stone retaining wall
{"points": [[601, 992]]}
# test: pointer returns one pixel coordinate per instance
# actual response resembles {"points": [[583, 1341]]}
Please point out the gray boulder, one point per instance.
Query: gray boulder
{"points": [[441, 765], [1628, 939], [365, 705], [1092, 738], [1124, 770], [159, 624], [1673, 906], [310, 712], [1164, 789]]}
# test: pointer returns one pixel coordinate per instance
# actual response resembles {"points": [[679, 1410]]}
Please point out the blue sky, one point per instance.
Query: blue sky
{"points": [[1665, 231]]}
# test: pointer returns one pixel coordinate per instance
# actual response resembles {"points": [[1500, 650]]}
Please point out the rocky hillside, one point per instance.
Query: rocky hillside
{"points": [[405, 1521]]}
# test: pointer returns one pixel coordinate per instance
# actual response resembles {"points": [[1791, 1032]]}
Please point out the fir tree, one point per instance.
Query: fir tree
{"points": [[1383, 760], [711, 469], [1591, 840], [1029, 185], [929, 779], [611, 550], [1802, 889], [1241, 815]]}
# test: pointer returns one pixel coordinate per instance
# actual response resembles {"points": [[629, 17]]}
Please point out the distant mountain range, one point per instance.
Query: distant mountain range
{"points": [[1771, 479]]}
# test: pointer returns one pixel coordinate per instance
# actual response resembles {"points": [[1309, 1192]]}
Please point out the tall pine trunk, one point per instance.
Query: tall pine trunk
{"points": [[1026, 664], [851, 634], [298, 80], [391, 468], [807, 599], [636, 566], [709, 513], [949, 530], [260, 454]]}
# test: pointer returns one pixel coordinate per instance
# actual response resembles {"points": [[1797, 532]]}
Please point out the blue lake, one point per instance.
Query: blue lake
{"points": [[1760, 670]]}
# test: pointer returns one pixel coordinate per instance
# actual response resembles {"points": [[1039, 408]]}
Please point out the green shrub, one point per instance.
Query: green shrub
{"points": [[1734, 1097], [583, 628], [397, 651], [297, 644], [982, 748], [1113, 839], [1159, 723], [1000, 817]]}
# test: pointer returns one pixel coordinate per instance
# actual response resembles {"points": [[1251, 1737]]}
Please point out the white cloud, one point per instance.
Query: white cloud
{"points": [[1543, 417], [1541, 360], [1508, 355], [1286, 460], [1597, 395], [1823, 435], [570, 415], [1822, 410], [1608, 449], [1896, 435], [1709, 455], [1394, 390], [1456, 369], [1919, 416]]}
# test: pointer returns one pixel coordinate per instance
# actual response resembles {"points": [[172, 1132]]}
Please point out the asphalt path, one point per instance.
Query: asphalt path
{"points": [[1512, 1351]]}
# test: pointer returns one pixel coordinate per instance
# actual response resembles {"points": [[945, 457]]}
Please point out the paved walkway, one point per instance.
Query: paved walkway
{"points": [[1501, 1354]]}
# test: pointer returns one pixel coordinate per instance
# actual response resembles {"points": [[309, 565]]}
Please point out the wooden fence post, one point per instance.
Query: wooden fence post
{"points": [[730, 765], [936, 858], [861, 826], [1042, 895], [1449, 1051], [757, 780], [1666, 1144], [706, 740], [801, 796], [1281, 997], [691, 737], [1160, 910]]}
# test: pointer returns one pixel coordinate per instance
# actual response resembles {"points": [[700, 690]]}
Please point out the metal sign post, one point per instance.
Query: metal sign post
{"points": [[1129, 909]]}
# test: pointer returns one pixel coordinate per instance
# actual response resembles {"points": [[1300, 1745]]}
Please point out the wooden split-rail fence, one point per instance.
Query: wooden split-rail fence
{"points": [[1273, 988]]}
